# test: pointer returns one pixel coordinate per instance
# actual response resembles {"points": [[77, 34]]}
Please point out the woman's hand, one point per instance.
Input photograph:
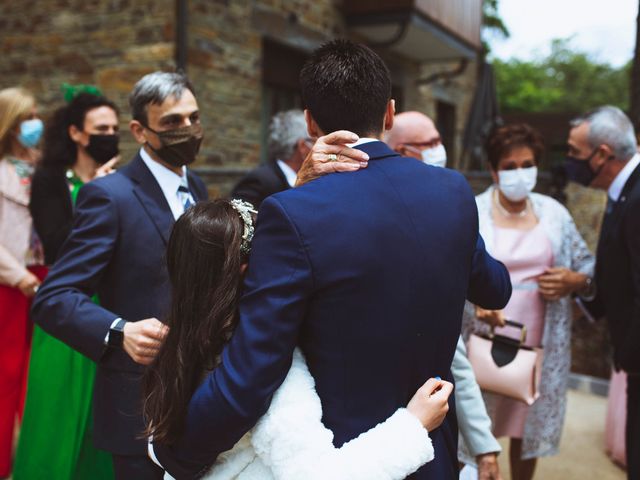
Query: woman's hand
{"points": [[430, 403], [29, 285], [493, 318], [320, 160], [107, 168], [558, 282]]}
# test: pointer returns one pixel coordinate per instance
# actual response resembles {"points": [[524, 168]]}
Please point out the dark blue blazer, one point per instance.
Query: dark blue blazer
{"points": [[116, 250], [368, 272]]}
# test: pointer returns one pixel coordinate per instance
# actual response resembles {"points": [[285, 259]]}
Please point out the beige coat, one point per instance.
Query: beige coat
{"points": [[15, 225]]}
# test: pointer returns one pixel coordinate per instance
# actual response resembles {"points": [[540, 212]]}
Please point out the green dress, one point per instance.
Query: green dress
{"points": [[56, 434]]}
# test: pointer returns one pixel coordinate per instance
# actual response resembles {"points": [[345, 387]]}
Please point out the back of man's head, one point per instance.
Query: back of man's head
{"points": [[609, 125], [285, 130], [346, 86]]}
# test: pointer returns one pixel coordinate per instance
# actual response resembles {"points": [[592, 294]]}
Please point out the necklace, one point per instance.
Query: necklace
{"points": [[506, 212]]}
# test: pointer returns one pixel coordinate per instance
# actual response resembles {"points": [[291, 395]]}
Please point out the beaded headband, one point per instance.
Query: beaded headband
{"points": [[245, 210]]}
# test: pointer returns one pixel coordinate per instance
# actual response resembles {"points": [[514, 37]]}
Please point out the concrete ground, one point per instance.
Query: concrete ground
{"points": [[582, 453]]}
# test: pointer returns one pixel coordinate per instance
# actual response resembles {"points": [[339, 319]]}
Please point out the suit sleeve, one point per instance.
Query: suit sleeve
{"points": [[63, 305], [50, 220], [473, 421], [490, 284], [255, 362], [630, 353]]}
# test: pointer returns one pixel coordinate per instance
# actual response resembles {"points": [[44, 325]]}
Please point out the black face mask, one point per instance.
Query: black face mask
{"points": [[180, 145], [579, 171], [103, 148]]}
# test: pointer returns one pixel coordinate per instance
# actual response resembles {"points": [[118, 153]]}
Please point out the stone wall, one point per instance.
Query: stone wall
{"points": [[107, 43], [112, 43]]}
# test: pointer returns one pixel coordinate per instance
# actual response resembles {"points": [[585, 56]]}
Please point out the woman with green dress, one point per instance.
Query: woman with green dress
{"points": [[81, 143]]}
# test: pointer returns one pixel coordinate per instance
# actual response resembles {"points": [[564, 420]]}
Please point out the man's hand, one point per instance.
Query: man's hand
{"points": [[558, 282], [493, 318], [319, 162], [29, 285], [143, 339], [107, 168], [488, 468]]}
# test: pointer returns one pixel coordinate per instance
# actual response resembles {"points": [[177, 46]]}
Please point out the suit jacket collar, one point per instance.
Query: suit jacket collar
{"points": [[631, 182], [150, 195], [612, 217], [377, 150], [280, 174]]}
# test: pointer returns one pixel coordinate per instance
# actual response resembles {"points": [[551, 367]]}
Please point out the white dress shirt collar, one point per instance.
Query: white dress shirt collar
{"points": [[169, 182], [616, 187], [362, 141], [289, 173]]}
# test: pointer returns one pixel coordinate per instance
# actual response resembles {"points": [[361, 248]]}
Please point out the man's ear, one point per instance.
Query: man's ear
{"points": [[389, 114], [312, 127], [137, 130]]}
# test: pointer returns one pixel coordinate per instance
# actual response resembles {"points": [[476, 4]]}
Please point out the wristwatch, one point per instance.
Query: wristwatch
{"points": [[116, 333]]}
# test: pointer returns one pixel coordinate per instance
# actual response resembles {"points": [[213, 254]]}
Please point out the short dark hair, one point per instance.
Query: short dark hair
{"points": [[346, 86], [59, 150], [504, 139]]}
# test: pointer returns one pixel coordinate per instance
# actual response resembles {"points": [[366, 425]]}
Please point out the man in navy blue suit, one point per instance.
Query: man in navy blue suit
{"points": [[116, 250], [366, 271]]}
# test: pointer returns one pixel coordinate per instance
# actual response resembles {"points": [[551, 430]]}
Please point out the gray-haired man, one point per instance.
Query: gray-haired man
{"points": [[287, 148], [603, 154], [116, 250]]}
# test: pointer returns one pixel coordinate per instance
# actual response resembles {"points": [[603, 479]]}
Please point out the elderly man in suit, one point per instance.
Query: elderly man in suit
{"points": [[366, 271], [602, 153], [289, 144]]}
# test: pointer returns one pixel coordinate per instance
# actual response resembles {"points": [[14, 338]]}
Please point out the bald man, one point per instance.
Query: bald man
{"points": [[415, 135]]}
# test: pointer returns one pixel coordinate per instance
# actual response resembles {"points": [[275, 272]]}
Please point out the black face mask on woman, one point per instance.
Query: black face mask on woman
{"points": [[180, 145], [103, 148]]}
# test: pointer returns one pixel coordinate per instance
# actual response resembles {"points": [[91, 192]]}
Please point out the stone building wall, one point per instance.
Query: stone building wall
{"points": [[112, 43]]}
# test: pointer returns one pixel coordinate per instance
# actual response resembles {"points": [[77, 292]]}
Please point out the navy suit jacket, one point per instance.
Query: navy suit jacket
{"points": [[116, 250], [368, 272]]}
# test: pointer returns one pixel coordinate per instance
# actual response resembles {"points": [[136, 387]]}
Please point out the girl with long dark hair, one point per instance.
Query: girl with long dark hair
{"points": [[206, 257]]}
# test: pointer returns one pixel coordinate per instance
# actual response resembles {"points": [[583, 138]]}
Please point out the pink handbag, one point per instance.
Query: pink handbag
{"points": [[505, 366]]}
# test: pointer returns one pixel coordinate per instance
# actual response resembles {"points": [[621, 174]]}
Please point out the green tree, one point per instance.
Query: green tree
{"points": [[492, 24], [565, 81]]}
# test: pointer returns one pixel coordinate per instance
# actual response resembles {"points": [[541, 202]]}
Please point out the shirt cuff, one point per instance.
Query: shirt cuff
{"points": [[113, 324]]}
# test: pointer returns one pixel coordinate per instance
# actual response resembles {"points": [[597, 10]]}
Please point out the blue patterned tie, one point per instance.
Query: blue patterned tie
{"points": [[185, 194]]}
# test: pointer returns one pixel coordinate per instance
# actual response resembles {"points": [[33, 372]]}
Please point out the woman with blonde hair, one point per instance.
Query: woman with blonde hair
{"points": [[21, 257]]}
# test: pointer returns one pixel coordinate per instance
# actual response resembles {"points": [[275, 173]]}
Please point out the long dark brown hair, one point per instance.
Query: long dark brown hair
{"points": [[204, 265]]}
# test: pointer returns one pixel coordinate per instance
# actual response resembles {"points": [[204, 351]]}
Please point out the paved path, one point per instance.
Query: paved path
{"points": [[582, 448]]}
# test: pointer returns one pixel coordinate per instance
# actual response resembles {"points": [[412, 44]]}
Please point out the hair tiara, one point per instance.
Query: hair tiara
{"points": [[245, 210]]}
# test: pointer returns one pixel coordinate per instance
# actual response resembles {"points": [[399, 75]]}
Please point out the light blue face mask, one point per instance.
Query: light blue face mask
{"points": [[30, 132]]}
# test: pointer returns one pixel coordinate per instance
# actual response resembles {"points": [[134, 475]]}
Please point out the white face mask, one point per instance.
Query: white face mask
{"points": [[517, 184], [436, 156]]}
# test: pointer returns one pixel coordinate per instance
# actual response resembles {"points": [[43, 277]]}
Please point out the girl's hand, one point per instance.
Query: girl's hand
{"points": [[493, 318], [430, 403]]}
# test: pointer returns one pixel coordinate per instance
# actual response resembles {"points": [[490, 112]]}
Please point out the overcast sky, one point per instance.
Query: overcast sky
{"points": [[604, 28]]}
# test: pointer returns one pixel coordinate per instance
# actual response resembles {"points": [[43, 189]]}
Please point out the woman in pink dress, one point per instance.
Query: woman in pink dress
{"points": [[535, 237]]}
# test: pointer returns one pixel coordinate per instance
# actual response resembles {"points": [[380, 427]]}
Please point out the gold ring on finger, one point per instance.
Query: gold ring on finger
{"points": [[332, 157]]}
